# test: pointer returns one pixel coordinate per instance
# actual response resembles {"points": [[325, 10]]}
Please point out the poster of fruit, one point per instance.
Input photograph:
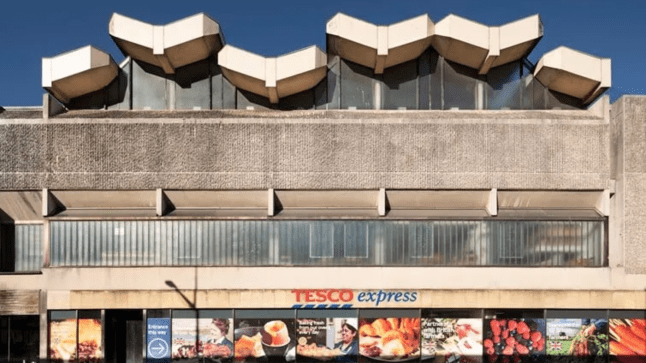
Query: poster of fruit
{"points": [[577, 338], [446, 340], [390, 339], [215, 337], [62, 340], [627, 340], [522, 338], [261, 338], [89, 347], [184, 338], [325, 339]]}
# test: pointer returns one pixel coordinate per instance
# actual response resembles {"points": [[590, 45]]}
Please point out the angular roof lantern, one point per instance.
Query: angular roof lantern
{"points": [[167, 46], [273, 78], [78, 72], [378, 47], [483, 47], [574, 73]]}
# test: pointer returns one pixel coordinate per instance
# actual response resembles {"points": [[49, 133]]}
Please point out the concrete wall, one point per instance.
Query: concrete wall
{"points": [[628, 130], [545, 150]]}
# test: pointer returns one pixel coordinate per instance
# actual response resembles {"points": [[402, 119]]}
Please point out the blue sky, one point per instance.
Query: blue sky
{"points": [[30, 30]]}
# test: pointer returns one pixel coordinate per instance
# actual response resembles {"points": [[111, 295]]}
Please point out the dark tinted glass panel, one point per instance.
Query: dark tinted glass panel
{"points": [[357, 86], [400, 91], [460, 84]]}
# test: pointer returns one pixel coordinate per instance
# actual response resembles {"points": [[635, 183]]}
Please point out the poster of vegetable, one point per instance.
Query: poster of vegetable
{"points": [[184, 338], [324, 339], [627, 340], [520, 338], [216, 338], [389, 339], [89, 347], [62, 340], [573, 339], [446, 340]]}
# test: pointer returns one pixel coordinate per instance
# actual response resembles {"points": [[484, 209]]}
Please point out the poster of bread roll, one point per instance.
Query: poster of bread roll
{"points": [[389, 339], [62, 340], [89, 347]]}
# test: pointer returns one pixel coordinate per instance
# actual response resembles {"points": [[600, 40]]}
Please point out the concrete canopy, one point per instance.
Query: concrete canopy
{"points": [[78, 72], [273, 78], [378, 47], [574, 73], [167, 46], [483, 47]]}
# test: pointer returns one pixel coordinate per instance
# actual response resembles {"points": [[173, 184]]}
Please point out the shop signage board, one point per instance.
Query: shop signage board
{"points": [[347, 298], [158, 340]]}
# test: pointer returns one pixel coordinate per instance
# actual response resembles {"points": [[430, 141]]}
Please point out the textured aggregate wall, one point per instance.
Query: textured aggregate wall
{"points": [[629, 116], [477, 150]]}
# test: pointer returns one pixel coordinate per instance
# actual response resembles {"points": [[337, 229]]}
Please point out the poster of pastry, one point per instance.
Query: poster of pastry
{"points": [[263, 338], [184, 338], [522, 337], [446, 340], [627, 340], [216, 337], [89, 347], [324, 339], [390, 339], [62, 340], [577, 338]]}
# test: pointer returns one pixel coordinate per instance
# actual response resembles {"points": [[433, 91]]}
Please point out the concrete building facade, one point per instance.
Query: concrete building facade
{"points": [[418, 170]]}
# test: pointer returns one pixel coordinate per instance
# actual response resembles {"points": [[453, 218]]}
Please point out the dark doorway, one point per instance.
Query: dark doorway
{"points": [[124, 336]]}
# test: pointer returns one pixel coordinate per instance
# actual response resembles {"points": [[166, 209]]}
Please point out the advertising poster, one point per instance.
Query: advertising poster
{"points": [[390, 339], [89, 347], [158, 340], [522, 338], [264, 338], [573, 339], [327, 339], [62, 340], [184, 342], [627, 340], [216, 337], [446, 340]]}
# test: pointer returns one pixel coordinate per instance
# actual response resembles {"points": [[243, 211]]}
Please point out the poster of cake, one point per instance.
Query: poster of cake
{"points": [[62, 340], [627, 342], [216, 338], [89, 345], [521, 338], [446, 340], [262, 338], [184, 338], [324, 339], [389, 339], [572, 339]]}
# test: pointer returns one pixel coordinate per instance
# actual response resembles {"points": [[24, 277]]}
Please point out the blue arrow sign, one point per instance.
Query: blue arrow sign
{"points": [[158, 340]]}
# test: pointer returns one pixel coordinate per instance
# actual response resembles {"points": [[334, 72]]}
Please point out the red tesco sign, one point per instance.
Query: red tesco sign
{"points": [[331, 295]]}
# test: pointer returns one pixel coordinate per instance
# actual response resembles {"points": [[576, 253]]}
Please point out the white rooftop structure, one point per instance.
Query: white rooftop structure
{"points": [[167, 46], [78, 72], [273, 78]]}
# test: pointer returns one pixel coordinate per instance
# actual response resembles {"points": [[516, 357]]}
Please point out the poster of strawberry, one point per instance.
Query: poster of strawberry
{"points": [[514, 339], [446, 340], [627, 340], [573, 339]]}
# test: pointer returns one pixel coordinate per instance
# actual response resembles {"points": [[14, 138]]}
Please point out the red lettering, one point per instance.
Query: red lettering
{"points": [[330, 295], [298, 294], [346, 295], [309, 297], [321, 295]]}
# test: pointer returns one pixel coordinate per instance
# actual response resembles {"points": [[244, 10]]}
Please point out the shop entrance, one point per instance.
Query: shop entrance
{"points": [[124, 336]]}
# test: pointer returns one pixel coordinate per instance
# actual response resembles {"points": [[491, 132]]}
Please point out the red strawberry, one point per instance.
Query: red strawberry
{"points": [[522, 349], [488, 343], [502, 323], [526, 335], [494, 324], [496, 339], [536, 336], [534, 344], [522, 327], [509, 350], [505, 334], [490, 351], [512, 324], [510, 341]]}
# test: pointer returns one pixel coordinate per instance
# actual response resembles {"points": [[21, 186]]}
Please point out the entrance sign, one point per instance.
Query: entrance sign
{"points": [[158, 340]]}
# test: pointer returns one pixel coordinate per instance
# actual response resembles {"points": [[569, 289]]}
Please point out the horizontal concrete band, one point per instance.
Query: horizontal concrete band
{"points": [[245, 299]]}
